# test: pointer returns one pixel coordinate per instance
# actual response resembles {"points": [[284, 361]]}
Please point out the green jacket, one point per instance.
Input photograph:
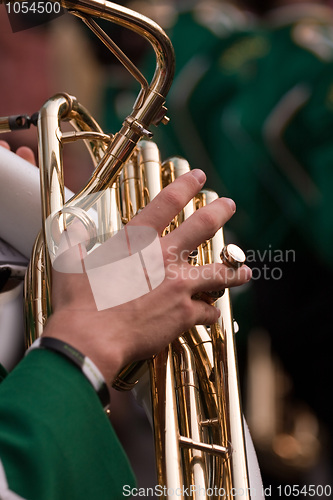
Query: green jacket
{"points": [[255, 110], [55, 440]]}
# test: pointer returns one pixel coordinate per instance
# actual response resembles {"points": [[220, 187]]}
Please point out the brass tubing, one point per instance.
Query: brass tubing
{"points": [[166, 426], [139, 24], [190, 416]]}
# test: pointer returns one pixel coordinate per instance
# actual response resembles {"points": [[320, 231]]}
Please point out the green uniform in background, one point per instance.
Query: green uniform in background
{"points": [[255, 109]]}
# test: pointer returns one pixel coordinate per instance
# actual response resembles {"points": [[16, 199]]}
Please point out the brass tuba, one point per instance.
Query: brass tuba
{"points": [[198, 424]]}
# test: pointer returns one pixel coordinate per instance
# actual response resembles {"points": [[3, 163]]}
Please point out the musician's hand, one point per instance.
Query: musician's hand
{"points": [[139, 328], [24, 152]]}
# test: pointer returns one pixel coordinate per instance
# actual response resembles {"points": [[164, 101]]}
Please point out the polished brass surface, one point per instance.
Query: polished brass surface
{"points": [[233, 256], [196, 408], [4, 124]]}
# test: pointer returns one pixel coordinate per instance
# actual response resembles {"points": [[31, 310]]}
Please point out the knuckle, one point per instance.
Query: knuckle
{"points": [[227, 206], [188, 312], [192, 183], [189, 183], [233, 277], [176, 276], [228, 275], [169, 252], [171, 197], [209, 219], [208, 315]]}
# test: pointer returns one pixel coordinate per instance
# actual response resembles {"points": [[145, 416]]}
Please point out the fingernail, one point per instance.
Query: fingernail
{"points": [[231, 203], [199, 175]]}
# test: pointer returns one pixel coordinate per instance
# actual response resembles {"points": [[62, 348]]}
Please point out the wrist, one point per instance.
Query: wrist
{"points": [[74, 328]]}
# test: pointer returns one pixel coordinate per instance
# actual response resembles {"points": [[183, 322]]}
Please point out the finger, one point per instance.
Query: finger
{"points": [[27, 154], [170, 201], [5, 145], [206, 314], [214, 277], [201, 226]]}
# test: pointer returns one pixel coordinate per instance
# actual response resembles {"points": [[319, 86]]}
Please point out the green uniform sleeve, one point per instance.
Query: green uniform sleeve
{"points": [[3, 373], [55, 440]]}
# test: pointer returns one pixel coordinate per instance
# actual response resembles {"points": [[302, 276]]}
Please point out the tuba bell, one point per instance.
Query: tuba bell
{"points": [[202, 443]]}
